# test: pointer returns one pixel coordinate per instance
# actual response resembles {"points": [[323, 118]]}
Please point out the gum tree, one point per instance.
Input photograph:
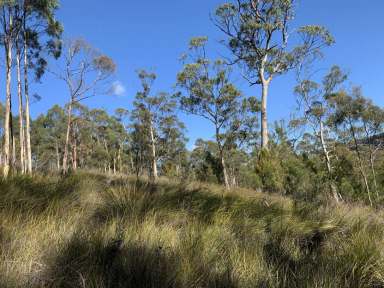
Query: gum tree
{"points": [[86, 72], [312, 97], [208, 92], [155, 123], [258, 36]]}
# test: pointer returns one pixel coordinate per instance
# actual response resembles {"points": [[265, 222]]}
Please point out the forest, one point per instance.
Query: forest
{"points": [[90, 198]]}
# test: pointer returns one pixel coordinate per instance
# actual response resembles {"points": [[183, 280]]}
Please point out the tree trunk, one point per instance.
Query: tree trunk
{"points": [[154, 160], [333, 188], [372, 152], [360, 160], [372, 164], [28, 147], [21, 112], [225, 171], [264, 116], [74, 150], [7, 120], [67, 137], [120, 168], [57, 157], [13, 146]]}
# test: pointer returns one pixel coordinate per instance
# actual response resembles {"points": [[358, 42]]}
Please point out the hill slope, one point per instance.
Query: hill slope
{"points": [[90, 230]]}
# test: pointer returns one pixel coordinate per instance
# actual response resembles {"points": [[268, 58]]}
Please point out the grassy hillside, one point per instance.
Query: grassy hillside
{"points": [[89, 230]]}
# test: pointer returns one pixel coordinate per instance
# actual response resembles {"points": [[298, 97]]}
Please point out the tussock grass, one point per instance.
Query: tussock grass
{"points": [[90, 230]]}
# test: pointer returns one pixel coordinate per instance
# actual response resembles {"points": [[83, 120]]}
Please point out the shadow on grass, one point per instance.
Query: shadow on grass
{"points": [[115, 265], [135, 201], [36, 194]]}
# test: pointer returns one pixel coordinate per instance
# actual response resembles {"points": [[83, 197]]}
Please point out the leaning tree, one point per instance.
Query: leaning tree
{"points": [[86, 73]]}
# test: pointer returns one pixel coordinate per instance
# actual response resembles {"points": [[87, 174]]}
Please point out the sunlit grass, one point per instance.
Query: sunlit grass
{"points": [[90, 230]]}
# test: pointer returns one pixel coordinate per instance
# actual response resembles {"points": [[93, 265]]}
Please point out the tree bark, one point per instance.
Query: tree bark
{"points": [[120, 168], [333, 188], [28, 147], [67, 137], [372, 164], [360, 160], [21, 112], [264, 115], [153, 148], [74, 150], [7, 120], [57, 157], [225, 171]]}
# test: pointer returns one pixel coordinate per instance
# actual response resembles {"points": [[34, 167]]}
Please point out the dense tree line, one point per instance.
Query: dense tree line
{"points": [[331, 149]]}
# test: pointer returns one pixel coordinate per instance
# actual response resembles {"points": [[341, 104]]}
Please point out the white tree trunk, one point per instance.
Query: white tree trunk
{"points": [[264, 116], [333, 188], [28, 147], [225, 172], [21, 112], [74, 150], [67, 137], [57, 157], [7, 118], [153, 146]]}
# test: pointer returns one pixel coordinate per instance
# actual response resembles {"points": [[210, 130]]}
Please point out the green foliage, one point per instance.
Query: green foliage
{"points": [[156, 128], [258, 33]]}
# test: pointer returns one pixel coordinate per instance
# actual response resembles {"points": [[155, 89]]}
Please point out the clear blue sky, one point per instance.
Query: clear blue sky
{"points": [[153, 34]]}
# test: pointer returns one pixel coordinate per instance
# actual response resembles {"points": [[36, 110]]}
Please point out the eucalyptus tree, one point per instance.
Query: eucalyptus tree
{"points": [[49, 137], [8, 31], [121, 116], [208, 92], [154, 116], [86, 72], [259, 35], [172, 144], [373, 124], [350, 118], [312, 97], [38, 36], [204, 162]]}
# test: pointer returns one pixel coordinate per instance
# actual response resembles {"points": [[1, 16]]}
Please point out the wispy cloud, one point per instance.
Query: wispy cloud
{"points": [[118, 88]]}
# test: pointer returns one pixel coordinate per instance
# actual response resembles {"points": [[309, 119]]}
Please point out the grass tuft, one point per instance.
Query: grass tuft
{"points": [[89, 230]]}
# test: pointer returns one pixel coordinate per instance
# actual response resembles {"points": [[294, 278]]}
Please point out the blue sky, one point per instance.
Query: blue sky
{"points": [[153, 34]]}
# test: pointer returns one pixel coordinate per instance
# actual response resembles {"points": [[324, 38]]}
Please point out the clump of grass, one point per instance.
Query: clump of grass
{"points": [[89, 230]]}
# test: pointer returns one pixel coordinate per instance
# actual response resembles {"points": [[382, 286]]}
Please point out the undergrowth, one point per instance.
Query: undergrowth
{"points": [[89, 230]]}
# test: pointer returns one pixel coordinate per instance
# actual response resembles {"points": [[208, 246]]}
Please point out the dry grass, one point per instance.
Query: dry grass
{"points": [[90, 230]]}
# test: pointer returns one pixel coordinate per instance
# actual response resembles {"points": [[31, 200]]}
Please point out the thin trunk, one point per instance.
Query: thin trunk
{"points": [[21, 112], [372, 159], [67, 137], [57, 157], [372, 164], [333, 187], [120, 168], [225, 171], [14, 158], [154, 160], [222, 160], [28, 147], [74, 150], [361, 167], [264, 116], [7, 120]]}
